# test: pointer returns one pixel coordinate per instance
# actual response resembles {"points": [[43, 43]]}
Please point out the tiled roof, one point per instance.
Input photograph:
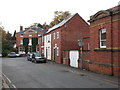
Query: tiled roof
{"points": [[61, 23], [38, 29]]}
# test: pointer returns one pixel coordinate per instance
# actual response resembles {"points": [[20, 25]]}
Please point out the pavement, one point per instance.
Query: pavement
{"points": [[98, 76], [51, 75]]}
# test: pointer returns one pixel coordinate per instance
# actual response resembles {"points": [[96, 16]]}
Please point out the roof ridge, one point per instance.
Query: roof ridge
{"points": [[61, 23]]}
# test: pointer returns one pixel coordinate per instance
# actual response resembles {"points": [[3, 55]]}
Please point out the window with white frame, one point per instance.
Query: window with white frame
{"points": [[30, 41], [21, 41], [57, 35], [39, 34], [42, 51], [30, 35], [21, 49], [21, 35], [103, 38], [48, 38]]}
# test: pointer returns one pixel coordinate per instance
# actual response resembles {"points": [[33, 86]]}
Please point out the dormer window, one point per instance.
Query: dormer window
{"points": [[103, 38]]}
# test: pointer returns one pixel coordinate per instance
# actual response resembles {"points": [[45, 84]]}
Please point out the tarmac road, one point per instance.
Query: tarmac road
{"points": [[25, 74]]}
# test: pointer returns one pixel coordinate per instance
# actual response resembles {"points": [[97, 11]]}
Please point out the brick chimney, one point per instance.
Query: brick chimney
{"points": [[21, 28], [46, 27]]}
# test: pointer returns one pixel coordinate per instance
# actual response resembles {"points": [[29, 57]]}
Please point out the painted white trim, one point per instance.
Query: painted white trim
{"points": [[102, 31]]}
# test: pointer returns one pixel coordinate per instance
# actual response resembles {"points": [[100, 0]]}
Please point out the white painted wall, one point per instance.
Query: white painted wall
{"points": [[47, 45]]}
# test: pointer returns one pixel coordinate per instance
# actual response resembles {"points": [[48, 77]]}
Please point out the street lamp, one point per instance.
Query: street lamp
{"points": [[81, 44]]}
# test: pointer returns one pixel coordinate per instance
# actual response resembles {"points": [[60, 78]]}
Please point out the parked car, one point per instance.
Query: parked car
{"points": [[0, 55], [36, 57], [13, 54], [29, 56]]}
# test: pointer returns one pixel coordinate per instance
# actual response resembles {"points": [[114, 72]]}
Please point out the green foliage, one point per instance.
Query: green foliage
{"points": [[26, 49], [5, 53], [7, 47], [33, 48], [14, 38], [34, 43], [2, 33], [14, 50], [6, 43], [58, 17], [25, 41], [8, 36], [25, 44]]}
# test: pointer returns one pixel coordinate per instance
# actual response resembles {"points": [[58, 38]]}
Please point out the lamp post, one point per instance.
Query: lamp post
{"points": [[80, 43]]}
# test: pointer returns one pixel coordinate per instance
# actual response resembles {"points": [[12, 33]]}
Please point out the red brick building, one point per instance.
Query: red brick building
{"points": [[65, 35], [31, 35], [105, 42]]}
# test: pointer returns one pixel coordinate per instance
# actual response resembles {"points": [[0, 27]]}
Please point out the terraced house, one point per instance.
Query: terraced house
{"points": [[27, 40]]}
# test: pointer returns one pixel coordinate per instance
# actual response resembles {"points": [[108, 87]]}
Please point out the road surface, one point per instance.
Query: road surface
{"points": [[25, 74]]}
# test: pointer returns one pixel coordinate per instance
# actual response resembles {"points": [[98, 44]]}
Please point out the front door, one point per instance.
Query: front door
{"points": [[55, 54]]}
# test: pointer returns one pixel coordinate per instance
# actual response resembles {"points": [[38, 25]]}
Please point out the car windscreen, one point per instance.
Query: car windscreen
{"points": [[38, 55]]}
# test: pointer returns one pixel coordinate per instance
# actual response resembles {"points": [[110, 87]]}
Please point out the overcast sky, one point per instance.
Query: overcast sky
{"points": [[14, 13]]}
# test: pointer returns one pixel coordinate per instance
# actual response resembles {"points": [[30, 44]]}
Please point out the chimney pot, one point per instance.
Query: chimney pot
{"points": [[21, 28]]}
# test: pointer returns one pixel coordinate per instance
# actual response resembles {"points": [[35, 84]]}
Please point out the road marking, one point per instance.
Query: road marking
{"points": [[9, 81], [14, 86], [7, 78]]}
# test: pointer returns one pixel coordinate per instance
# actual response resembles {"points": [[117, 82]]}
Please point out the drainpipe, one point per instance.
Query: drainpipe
{"points": [[111, 14]]}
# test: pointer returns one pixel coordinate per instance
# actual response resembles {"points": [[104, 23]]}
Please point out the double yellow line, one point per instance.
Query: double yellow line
{"points": [[9, 81]]}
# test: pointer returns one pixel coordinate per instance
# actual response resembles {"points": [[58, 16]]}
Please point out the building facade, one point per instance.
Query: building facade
{"points": [[27, 40], [105, 41], [65, 35], [47, 46]]}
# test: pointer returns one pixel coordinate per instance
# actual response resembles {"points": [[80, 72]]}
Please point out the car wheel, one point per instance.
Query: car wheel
{"points": [[35, 61], [45, 61]]}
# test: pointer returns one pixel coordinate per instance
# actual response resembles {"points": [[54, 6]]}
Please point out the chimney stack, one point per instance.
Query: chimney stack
{"points": [[21, 28], [46, 27]]}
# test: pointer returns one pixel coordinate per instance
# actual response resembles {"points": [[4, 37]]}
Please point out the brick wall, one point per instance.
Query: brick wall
{"points": [[103, 59]]}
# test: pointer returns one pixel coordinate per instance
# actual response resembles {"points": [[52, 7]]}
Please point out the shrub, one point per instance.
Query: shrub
{"points": [[5, 53]]}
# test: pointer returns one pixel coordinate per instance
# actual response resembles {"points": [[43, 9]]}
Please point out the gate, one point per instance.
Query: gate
{"points": [[74, 56]]}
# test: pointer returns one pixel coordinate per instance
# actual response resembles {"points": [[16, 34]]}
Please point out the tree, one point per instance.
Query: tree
{"points": [[8, 36], [14, 38], [2, 37], [39, 25], [7, 47], [2, 33], [58, 17]]}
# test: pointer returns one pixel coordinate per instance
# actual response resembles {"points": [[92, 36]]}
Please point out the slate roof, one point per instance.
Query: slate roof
{"points": [[105, 13], [38, 29], [61, 23]]}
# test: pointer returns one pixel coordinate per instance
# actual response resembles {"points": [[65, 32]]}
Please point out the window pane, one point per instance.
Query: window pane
{"points": [[103, 36], [103, 43]]}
